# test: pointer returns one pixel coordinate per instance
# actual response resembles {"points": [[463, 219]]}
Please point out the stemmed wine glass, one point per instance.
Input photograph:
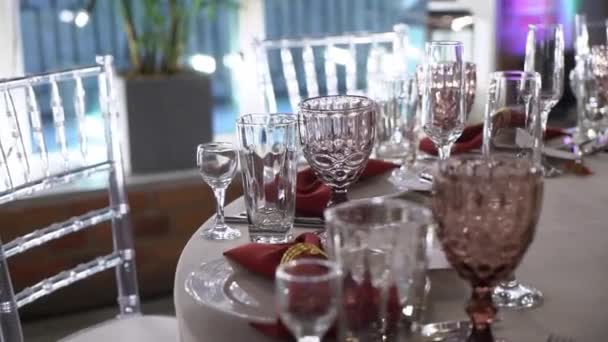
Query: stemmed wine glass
{"points": [[443, 106], [545, 55], [512, 126], [217, 164], [337, 135], [308, 293], [487, 210]]}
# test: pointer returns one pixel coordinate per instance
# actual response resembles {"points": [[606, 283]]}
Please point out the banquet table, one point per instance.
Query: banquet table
{"points": [[567, 262]]}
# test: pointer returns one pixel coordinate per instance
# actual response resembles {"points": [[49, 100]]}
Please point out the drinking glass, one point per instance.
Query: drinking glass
{"points": [[337, 136], [380, 244], [396, 123], [443, 106], [512, 122], [545, 55], [308, 293], [268, 157], [217, 164], [487, 210], [512, 126], [599, 68]]}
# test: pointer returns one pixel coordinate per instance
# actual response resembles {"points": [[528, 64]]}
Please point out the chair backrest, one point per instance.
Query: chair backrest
{"points": [[23, 173], [333, 51]]}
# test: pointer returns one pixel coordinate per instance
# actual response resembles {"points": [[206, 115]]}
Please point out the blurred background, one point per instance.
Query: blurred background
{"points": [[208, 81]]}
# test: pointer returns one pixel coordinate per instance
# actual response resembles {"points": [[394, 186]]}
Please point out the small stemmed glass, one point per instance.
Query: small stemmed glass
{"points": [[545, 55], [308, 293], [443, 99], [217, 164]]}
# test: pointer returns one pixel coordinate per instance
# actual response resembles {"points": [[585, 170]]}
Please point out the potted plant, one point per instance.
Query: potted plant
{"points": [[169, 106]]}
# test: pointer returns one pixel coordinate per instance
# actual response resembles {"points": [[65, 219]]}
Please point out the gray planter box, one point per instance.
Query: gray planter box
{"points": [[167, 118]]}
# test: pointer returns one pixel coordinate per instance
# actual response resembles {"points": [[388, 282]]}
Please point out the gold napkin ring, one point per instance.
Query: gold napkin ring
{"points": [[298, 249]]}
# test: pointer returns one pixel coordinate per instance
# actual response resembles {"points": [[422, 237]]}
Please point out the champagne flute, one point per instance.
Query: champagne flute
{"points": [[545, 55], [443, 107], [217, 165]]}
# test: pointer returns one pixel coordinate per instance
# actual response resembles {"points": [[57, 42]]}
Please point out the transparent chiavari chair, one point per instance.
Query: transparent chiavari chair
{"points": [[24, 173], [385, 51]]}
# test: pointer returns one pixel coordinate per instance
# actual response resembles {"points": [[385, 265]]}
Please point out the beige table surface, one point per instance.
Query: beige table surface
{"points": [[567, 261]]}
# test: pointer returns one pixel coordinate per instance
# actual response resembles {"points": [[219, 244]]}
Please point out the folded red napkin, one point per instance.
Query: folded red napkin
{"points": [[263, 259], [312, 195], [472, 138]]}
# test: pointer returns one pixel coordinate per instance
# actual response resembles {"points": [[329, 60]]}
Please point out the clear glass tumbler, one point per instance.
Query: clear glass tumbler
{"points": [[308, 293], [443, 97], [268, 158], [380, 244], [512, 126]]}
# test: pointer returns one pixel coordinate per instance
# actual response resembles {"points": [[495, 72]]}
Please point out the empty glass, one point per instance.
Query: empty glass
{"points": [[308, 293], [487, 210], [512, 122], [545, 55], [268, 157], [396, 123], [512, 126], [217, 164], [380, 244], [337, 136], [443, 106]]}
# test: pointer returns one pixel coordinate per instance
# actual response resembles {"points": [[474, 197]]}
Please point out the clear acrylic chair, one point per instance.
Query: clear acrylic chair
{"points": [[24, 173], [384, 51]]}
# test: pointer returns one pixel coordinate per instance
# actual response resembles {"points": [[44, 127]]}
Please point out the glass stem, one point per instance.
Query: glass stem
{"points": [[337, 197], [510, 282], [481, 311], [444, 151], [220, 194]]}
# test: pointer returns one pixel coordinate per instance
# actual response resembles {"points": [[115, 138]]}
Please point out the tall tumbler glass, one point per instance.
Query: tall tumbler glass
{"points": [[512, 126], [381, 245], [337, 134], [397, 123], [268, 159], [443, 98]]}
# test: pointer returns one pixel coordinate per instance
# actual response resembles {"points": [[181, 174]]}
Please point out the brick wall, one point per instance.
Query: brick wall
{"points": [[164, 217]]}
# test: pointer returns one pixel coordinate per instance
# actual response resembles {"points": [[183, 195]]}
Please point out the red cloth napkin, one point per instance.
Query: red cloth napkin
{"points": [[263, 259], [472, 138], [312, 195]]}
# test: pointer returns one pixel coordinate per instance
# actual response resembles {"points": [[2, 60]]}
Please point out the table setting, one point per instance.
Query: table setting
{"points": [[406, 224]]}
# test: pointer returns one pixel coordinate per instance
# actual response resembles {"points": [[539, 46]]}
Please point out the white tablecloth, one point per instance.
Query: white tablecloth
{"points": [[567, 261]]}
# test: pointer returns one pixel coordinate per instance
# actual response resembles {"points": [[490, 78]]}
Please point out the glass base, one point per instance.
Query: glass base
{"points": [[221, 232], [410, 178], [270, 237], [550, 171], [448, 331], [514, 295]]}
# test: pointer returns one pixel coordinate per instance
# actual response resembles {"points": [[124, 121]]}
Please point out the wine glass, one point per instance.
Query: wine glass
{"points": [[216, 162], [308, 293], [486, 210], [545, 55], [443, 110], [512, 126], [337, 135]]}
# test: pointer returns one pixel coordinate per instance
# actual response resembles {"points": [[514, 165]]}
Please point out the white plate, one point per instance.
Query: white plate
{"points": [[231, 290]]}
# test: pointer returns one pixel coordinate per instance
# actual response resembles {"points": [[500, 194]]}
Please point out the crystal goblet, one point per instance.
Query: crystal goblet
{"points": [[337, 136], [487, 209]]}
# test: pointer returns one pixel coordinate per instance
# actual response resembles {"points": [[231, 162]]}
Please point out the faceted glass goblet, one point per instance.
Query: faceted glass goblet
{"points": [[486, 210], [337, 136]]}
